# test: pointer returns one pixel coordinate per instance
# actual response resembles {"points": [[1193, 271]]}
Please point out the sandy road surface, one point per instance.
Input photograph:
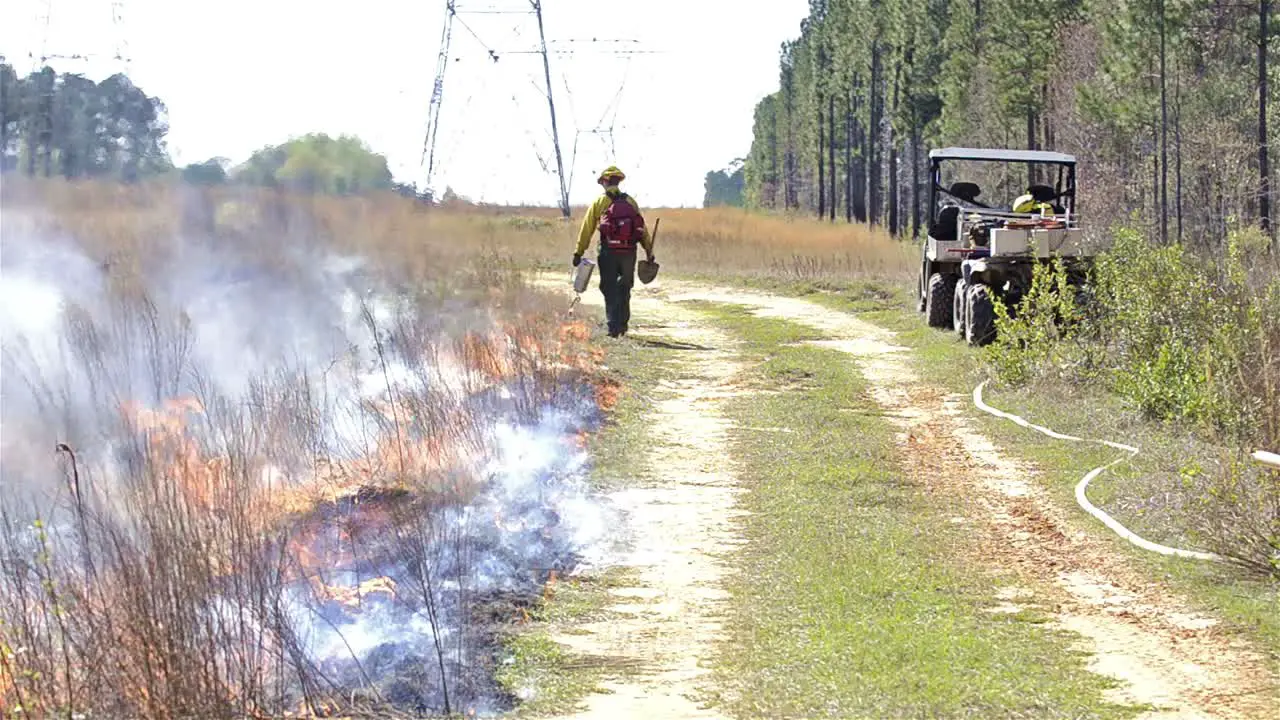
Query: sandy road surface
{"points": [[1134, 629], [682, 526]]}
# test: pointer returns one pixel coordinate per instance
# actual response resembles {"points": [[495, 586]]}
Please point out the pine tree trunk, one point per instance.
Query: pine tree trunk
{"points": [[831, 156], [915, 179], [1155, 184], [861, 165], [874, 171], [1264, 167], [895, 217], [1046, 119], [848, 153], [1031, 143], [774, 181], [1177, 151], [789, 194], [1164, 135], [822, 155]]}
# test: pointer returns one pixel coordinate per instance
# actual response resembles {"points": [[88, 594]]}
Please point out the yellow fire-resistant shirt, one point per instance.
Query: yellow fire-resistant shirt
{"points": [[591, 222]]}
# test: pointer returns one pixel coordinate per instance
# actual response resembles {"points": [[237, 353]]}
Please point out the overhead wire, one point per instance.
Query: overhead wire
{"points": [[493, 54]]}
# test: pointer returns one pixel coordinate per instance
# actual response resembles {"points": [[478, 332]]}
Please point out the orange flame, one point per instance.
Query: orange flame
{"points": [[351, 596], [549, 590]]}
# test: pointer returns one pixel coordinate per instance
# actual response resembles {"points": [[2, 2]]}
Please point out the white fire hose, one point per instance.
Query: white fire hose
{"points": [[1083, 500], [1270, 459]]}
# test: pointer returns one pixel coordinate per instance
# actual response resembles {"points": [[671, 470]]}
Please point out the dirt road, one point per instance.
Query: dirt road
{"points": [[1134, 629], [666, 625]]}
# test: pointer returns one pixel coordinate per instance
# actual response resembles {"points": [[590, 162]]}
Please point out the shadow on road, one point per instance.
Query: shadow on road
{"points": [[668, 344]]}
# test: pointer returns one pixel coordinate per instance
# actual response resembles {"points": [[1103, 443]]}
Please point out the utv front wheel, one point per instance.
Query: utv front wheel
{"points": [[939, 300]]}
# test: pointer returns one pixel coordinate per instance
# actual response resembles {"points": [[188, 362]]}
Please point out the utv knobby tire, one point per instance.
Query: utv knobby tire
{"points": [[958, 306], [938, 300], [980, 322]]}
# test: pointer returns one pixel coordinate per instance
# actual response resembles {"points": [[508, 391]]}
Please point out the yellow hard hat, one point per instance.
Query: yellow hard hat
{"points": [[611, 173]]}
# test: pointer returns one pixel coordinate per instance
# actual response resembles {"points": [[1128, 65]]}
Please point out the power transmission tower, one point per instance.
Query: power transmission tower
{"points": [[437, 93], [551, 103], [454, 9], [44, 19]]}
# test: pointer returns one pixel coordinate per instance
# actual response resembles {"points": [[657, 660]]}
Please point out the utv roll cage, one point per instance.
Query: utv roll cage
{"points": [[1063, 189]]}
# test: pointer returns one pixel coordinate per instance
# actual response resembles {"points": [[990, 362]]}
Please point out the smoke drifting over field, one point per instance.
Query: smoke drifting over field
{"points": [[289, 480]]}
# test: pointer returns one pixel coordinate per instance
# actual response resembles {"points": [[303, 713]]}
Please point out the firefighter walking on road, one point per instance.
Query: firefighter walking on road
{"points": [[617, 216]]}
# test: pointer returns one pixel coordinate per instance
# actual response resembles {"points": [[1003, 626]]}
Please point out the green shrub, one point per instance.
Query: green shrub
{"points": [[1184, 337], [1043, 338]]}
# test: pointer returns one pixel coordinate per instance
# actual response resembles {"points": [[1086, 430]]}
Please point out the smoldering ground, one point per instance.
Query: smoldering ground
{"points": [[290, 479]]}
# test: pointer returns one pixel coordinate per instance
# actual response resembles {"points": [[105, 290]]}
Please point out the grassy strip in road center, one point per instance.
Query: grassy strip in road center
{"points": [[850, 601]]}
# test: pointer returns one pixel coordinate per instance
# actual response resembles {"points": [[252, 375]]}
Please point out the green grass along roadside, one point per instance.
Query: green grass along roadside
{"points": [[851, 601], [1246, 604]]}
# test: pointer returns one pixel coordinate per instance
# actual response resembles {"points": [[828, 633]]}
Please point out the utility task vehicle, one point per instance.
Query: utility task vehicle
{"points": [[975, 252]]}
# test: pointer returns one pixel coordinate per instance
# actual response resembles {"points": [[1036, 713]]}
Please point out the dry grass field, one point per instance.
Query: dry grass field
{"points": [[720, 241]]}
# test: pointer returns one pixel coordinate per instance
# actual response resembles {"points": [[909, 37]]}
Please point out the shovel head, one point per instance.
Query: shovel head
{"points": [[647, 270]]}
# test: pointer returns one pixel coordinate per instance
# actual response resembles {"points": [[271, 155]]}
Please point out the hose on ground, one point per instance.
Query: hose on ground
{"points": [[1081, 487]]}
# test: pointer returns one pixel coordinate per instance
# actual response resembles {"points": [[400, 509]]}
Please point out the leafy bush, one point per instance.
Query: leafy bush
{"points": [[1042, 339], [1185, 338]]}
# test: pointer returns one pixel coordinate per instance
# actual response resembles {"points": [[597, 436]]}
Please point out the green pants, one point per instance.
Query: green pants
{"points": [[617, 276]]}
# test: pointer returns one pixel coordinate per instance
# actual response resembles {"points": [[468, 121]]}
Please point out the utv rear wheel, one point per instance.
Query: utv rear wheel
{"points": [[980, 322], [958, 306], [939, 300]]}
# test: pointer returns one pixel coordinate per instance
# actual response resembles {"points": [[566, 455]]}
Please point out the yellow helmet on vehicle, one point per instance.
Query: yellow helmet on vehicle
{"points": [[611, 176], [1028, 204]]}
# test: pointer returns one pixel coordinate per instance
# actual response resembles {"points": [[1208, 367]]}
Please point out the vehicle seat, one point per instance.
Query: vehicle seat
{"points": [[947, 224], [945, 227]]}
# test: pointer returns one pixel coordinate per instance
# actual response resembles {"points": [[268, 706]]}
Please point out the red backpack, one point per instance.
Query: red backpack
{"points": [[621, 225]]}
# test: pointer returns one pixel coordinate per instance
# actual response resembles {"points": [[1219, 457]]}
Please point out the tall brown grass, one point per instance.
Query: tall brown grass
{"points": [[723, 241]]}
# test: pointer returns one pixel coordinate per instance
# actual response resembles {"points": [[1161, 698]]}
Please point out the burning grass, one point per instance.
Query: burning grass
{"points": [[315, 448], [300, 470]]}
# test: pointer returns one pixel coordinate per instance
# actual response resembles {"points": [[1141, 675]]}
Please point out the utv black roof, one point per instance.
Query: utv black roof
{"points": [[1019, 156]]}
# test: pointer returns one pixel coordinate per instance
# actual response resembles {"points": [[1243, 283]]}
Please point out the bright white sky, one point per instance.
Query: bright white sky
{"points": [[240, 74]]}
